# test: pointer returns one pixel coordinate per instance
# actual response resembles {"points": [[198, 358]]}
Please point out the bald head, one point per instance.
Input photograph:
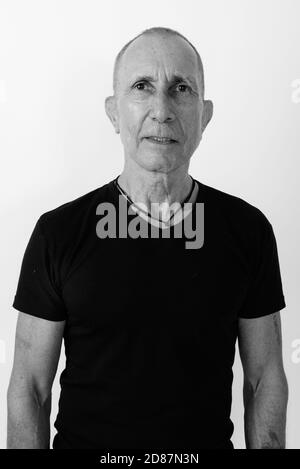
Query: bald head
{"points": [[159, 31]]}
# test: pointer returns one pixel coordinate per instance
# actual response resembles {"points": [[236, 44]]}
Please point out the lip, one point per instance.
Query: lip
{"points": [[162, 141]]}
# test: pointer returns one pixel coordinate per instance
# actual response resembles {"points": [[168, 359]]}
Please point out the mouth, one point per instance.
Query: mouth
{"points": [[161, 140]]}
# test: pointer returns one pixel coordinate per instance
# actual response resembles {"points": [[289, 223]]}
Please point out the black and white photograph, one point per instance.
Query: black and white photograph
{"points": [[150, 227]]}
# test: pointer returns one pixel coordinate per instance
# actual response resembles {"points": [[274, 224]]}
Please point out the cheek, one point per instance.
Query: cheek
{"points": [[196, 119], [192, 126], [131, 119]]}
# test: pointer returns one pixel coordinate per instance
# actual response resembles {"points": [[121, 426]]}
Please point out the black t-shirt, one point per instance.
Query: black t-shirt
{"points": [[150, 325]]}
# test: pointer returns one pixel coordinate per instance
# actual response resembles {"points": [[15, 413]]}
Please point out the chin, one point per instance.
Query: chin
{"points": [[156, 163]]}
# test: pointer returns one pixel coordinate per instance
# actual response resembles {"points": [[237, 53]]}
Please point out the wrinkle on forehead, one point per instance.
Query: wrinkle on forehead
{"points": [[159, 56]]}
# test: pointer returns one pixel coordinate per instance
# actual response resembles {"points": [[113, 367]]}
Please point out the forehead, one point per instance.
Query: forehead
{"points": [[155, 54]]}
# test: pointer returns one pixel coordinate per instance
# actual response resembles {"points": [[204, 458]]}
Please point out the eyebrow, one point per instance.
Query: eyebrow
{"points": [[175, 79]]}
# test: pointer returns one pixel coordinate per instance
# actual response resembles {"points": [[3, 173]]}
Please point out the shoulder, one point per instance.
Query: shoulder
{"points": [[241, 222], [69, 218], [235, 209]]}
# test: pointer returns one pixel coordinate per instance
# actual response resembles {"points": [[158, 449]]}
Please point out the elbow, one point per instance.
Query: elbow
{"points": [[27, 392], [272, 381]]}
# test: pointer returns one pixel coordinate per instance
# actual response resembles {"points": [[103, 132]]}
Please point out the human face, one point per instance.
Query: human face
{"points": [[159, 95]]}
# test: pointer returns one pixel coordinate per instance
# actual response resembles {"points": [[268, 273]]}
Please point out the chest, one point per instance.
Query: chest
{"points": [[125, 281]]}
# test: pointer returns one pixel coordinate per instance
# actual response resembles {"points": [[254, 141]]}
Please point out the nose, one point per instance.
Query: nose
{"points": [[161, 110]]}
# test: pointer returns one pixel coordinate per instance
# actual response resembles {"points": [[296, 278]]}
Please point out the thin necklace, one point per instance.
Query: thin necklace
{"points": [[146, 212]]}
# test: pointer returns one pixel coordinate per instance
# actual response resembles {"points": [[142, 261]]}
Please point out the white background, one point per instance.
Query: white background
{"points": [[56, 143]]}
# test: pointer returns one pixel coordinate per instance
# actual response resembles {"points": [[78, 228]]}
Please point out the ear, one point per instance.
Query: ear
{"points": [[112, 112], [207, 113]]}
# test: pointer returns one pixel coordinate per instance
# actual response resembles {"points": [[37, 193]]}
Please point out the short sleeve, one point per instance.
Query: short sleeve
{"points": [[38, 293], [265, 295]]}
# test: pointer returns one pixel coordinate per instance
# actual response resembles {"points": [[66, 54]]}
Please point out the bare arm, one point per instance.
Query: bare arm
{"points": [[37, 351], [265, 383]]}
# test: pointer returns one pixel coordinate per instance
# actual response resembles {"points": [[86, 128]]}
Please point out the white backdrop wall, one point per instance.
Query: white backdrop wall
{"points": [[56, 143]]}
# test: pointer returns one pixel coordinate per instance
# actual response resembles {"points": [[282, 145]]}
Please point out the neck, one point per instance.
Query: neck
{"points": [[149, 187]]}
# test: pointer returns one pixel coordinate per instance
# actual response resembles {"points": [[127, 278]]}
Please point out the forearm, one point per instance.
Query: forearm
{"points": [[28, 422], [265, 413]]}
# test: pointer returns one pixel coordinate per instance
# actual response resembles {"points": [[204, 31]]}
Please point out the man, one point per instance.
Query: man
{"points": [[150, 325]]}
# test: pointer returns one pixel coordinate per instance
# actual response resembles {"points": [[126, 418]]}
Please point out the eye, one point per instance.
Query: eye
{"points": [[182, 87], [140, 86]]}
